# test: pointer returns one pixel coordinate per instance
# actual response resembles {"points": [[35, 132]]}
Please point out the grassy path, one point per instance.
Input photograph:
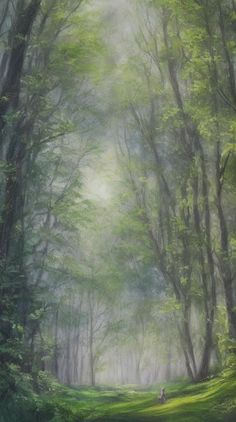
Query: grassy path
{"points": [[211, 401]]}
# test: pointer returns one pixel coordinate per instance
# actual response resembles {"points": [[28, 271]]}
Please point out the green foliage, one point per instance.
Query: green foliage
{"points": [[76, 257]]}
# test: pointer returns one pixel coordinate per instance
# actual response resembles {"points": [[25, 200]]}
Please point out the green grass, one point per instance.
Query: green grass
{"points": [[210, 401]]}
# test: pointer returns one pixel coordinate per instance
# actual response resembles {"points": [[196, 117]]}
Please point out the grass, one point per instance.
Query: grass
{"points": [[210, 401]]}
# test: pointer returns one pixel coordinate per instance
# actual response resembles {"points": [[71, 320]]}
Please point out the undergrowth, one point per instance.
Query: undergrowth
{"points": [[213, 400]]}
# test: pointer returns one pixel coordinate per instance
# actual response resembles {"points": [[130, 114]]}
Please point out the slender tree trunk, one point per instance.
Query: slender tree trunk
{"points": [[56, 346], [225, 265], [209, 301], [169, 364], [91, 342], [68, 358]]}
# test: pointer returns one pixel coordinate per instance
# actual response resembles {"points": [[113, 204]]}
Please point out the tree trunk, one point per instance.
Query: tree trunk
{"points": [[225, 265], [68, 358], [91, 342], [168, 365], [229, 62], [11, 86], [56, 346]]}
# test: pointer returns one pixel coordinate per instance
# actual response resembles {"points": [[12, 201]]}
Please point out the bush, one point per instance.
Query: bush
{"points": [[20, 403]]}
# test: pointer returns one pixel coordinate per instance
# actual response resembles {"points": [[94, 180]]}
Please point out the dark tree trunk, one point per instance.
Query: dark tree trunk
{"points": [[22, 30], [229, 62], [225, 265]]}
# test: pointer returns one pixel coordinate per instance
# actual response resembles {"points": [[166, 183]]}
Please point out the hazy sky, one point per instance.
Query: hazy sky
{"points": [[118, 29], [118, 23]]}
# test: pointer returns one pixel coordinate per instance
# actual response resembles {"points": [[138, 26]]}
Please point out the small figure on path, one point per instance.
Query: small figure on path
{"points": [[162, 397]]}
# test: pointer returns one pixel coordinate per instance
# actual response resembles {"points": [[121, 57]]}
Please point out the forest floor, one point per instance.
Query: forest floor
{"points": [[213, 400]]}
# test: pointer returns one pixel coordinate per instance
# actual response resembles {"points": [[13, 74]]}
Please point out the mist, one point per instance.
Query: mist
{"points": [[117, 209]]}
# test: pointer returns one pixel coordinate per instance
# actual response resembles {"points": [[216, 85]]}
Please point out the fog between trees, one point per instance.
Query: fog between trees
{"points": [[117, 227]]}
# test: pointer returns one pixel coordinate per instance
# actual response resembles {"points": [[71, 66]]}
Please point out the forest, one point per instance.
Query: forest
{"points": [[117, 210]]}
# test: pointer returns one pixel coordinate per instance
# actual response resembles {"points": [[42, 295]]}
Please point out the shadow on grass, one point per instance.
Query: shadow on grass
{"points": [[210, 401]]}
